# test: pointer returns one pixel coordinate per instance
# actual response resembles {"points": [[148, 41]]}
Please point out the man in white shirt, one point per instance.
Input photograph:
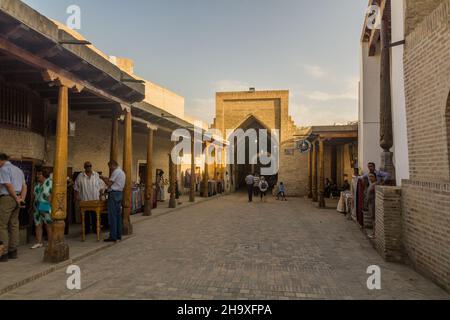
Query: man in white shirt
{"points": [[115, 184], [250, 180], [88, 187], [13, 191]]}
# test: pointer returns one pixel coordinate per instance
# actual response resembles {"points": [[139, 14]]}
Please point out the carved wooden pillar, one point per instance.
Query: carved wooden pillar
{"points": [[127, 168], [172, 179], [206, 171], [314, 172], [386, 136], [149, 177], [57, 249], [321, 173], [193, 175], [114, 153], [310, 158]]}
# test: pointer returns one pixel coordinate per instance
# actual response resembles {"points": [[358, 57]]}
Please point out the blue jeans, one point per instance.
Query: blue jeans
{"points": [[115, 214]]}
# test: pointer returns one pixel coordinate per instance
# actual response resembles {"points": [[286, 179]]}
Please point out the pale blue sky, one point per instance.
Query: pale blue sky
{"points": [[198, 47]]}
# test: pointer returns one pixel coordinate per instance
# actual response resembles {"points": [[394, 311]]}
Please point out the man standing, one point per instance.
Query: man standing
{"points": [[250, 180], [13, 191], [382, 177], [115, 184], [88, 187]]}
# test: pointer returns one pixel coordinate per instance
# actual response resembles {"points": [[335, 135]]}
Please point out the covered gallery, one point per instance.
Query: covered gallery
{"points": [[63, 102]]}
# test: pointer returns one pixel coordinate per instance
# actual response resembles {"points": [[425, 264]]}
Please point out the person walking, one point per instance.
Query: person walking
{"points": [[42, 206], [281, 192], [256, 185], [88, 187], [250, 180], [13, 191], [263, 187], [115, 184]]}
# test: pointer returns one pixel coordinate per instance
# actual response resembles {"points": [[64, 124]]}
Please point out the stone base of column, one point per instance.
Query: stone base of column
{"points": [[148, 208], [127, 228], [322, 201], [57, 250], [191, 198], [310, 195], [387, 165], [315, 197], [172, 203]]}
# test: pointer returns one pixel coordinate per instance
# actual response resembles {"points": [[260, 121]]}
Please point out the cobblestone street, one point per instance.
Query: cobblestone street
{"points": [[229, 249]]}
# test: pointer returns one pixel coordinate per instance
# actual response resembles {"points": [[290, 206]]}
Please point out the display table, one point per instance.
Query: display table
{"points": [[98, 207]]}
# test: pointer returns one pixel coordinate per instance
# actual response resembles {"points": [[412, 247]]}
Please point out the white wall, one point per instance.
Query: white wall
{"points": [[369, 109], [401, 155]]}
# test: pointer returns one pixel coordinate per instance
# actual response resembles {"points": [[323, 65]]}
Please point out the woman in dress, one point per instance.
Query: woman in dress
{"points": [[42, 206]]}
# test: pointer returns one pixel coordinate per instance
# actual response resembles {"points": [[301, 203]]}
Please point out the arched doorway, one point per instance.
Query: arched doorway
{"points": [[250, 142]]}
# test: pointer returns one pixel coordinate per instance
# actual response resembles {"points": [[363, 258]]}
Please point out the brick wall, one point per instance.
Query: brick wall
{"points": [[426, 228], [417, 11], [427, 69], [426, 196], [388, 223], [20, 144], [293, 171]]}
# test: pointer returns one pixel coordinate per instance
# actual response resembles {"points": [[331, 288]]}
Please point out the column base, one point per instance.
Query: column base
{"points": [[322, 202], [172, 203], [127, 229], [147, 208], [58, 249], [387, 165]]}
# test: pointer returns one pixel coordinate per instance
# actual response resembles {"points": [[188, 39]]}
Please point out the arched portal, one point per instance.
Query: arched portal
{"points": [[251, 141]]}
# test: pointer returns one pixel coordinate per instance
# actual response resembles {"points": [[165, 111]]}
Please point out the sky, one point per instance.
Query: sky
{"points": [[198, 47]]}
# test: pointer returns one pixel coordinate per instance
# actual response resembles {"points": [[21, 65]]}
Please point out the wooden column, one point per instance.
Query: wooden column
{"points": [[127, 168], [206, 172], [114, 153], [314, 172], [57, 249], [386, 135], [172, 179], [321, 174], [149, 177], [310, 159], [193, 175]]}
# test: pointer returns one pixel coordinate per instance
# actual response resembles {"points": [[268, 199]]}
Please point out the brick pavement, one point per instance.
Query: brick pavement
{"points": [[229, 249]]}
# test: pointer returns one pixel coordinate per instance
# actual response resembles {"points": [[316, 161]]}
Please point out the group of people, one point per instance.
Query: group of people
{"points": [[259, 185], [88, 186]]}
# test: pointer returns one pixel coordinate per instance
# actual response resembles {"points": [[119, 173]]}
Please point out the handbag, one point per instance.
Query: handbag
{"points": [[44, 207]]}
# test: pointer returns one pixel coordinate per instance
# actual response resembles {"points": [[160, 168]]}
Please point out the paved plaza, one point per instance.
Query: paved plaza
{"points": [[228, 248]]}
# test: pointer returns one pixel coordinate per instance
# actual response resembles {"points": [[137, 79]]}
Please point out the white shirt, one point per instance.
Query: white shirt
{"points": [[249, 179], [9, 173], [118, 179], [89, 187], [263, 185]]}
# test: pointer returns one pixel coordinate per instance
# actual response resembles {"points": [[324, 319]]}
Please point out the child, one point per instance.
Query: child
{"points": [[281, 192], [263, 186]]}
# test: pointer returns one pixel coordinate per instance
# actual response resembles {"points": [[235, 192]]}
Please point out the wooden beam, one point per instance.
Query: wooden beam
{"points": [[43, 65]]}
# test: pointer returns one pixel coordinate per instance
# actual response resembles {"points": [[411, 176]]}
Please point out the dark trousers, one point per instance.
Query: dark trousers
{"points": [[250, 192], [90, 222], [115, 214]]}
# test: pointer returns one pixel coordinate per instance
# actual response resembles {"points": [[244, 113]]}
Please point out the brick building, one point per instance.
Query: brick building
{"points": [[270, 110], [413, 218]]}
